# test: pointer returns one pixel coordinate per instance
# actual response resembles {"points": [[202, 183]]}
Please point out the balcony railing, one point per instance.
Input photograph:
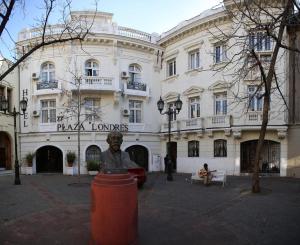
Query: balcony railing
{"points": [[218, 121], [47, 85], [137, 86], [96, 83], [193, 123], [137, 89], [175, 126]]}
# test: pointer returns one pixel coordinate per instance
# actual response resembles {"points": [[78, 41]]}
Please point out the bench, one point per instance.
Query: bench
{"points": [[219, 176]]}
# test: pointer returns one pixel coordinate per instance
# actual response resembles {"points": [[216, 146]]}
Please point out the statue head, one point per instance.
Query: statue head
{"points": [[114, 139]]}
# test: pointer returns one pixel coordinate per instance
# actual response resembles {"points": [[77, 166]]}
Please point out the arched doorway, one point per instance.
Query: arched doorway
{"points": [[49, 159], [5, 151], [270, 162], [139, 154]]}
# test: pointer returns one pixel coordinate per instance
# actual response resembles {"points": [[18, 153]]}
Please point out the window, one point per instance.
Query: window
{"points": [[255, 98], [221, 104], [260, 41], [134, 73], [173, 109], [48, 111], [220, 148], [193, 148], [219, 53], [194, 59], [92, 153], [135, 108], [48, 72], [194, 107], [171, 68], [92, 107], [91, 68]]}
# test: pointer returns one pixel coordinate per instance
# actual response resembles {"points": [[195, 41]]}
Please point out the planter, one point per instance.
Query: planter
{"points": [[29, 170], [69, 171], [93, 172]]}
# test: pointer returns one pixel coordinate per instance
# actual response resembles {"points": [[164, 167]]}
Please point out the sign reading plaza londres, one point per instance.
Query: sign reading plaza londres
{"points": [[92, 127]]}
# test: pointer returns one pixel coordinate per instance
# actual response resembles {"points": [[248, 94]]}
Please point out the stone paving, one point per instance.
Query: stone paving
{"points": [[54, 209]]}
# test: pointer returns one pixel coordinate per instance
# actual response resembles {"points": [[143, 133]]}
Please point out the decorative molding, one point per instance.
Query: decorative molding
{"points": [[200, 134], [227, 132], [176, 135], [117, 96], [282, 133], [210, 133], [185, 135], [171, 96], [237, 134], [219, 86], [193, 45], [193, 91], [171, 55]]}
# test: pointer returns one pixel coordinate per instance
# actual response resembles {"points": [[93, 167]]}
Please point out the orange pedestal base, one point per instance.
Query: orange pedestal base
{"points": [[114, 210]]}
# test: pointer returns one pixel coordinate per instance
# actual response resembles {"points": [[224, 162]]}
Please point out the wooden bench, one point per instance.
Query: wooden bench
{"points": [[219, 176]]}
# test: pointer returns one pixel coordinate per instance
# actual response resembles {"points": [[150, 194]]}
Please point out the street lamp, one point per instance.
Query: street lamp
{"points": [[4, 107], [170, 111]]}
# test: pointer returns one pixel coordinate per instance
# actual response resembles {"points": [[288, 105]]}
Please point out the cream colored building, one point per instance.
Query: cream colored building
{"points": [[8, 90], [122, 73]]}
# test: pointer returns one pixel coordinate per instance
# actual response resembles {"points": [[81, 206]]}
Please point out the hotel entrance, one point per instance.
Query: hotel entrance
{"points": [[49, 159]]}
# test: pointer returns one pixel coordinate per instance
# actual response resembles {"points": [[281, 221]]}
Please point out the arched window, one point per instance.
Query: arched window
{"points": [[91, 68], [134, 73], [220, 148], [193, 148], [92, 153], [48, 72]]}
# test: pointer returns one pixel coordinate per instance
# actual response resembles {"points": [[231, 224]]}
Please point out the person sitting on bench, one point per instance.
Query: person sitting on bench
{"points": [[206, 174]]}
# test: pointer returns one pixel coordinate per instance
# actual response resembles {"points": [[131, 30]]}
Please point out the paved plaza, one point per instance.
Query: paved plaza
{"points": [[54, 209]]}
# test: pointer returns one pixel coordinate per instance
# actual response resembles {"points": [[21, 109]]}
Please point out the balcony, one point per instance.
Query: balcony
{"points": [[136, 89], [218, 121], [190, 124], [253, 118], [51, 87], [175, 126], [96, 84]]}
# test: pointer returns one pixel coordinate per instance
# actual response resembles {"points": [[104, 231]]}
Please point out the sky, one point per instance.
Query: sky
{"points": [[145, 15]]}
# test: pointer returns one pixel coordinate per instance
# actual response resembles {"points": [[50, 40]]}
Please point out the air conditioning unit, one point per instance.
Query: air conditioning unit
{"points": [[124, 74], [36, 113], [34, 76], [125, 112]]}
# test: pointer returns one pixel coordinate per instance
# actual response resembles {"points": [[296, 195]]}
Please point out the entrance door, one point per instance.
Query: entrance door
{"points": [[139, 154], [173, 152], [49, 159], [2, 157], [5, 151], [270, 161]]}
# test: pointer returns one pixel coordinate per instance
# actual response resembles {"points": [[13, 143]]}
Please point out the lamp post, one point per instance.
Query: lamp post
{"points": [[4, 107], [170, 111]]}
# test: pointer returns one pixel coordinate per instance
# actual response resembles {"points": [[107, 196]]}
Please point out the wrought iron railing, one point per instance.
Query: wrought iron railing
{"points": [[47, 85]]}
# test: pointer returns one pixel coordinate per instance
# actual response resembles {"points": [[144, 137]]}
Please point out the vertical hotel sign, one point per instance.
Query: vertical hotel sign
{"points": [[25, 97]]}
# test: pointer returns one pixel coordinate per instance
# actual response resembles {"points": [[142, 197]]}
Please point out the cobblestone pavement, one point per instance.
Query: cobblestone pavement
{"points": [[54, 209]]}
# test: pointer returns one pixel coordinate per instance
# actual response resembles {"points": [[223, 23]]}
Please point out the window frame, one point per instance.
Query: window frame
{"points": [[48, 111], [220, 148], [47, 72], [95, 105], [171, 67], [135, 74], [220, 53], [135, 113], [255, 104], [194, 59], [94, 156], [193, 148], [91, 70], [221, 99], [194, 102]]}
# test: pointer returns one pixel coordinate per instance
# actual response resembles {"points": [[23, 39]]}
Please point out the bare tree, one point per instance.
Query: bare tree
{"points": [[77, 110], [71, 28], [254, 23]]}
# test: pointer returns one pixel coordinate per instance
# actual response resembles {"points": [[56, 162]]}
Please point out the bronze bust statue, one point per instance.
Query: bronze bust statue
{"points": [[114, 160]]}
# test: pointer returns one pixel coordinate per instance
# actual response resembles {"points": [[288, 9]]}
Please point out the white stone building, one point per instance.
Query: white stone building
{"points": [[123, 72]]}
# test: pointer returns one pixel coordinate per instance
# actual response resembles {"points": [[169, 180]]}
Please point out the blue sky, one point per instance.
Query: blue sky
{"points": [[144, 15]]}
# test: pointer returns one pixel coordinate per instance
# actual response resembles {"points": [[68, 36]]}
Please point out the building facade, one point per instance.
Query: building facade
{"points": [[8, 90], [114, 80]]}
